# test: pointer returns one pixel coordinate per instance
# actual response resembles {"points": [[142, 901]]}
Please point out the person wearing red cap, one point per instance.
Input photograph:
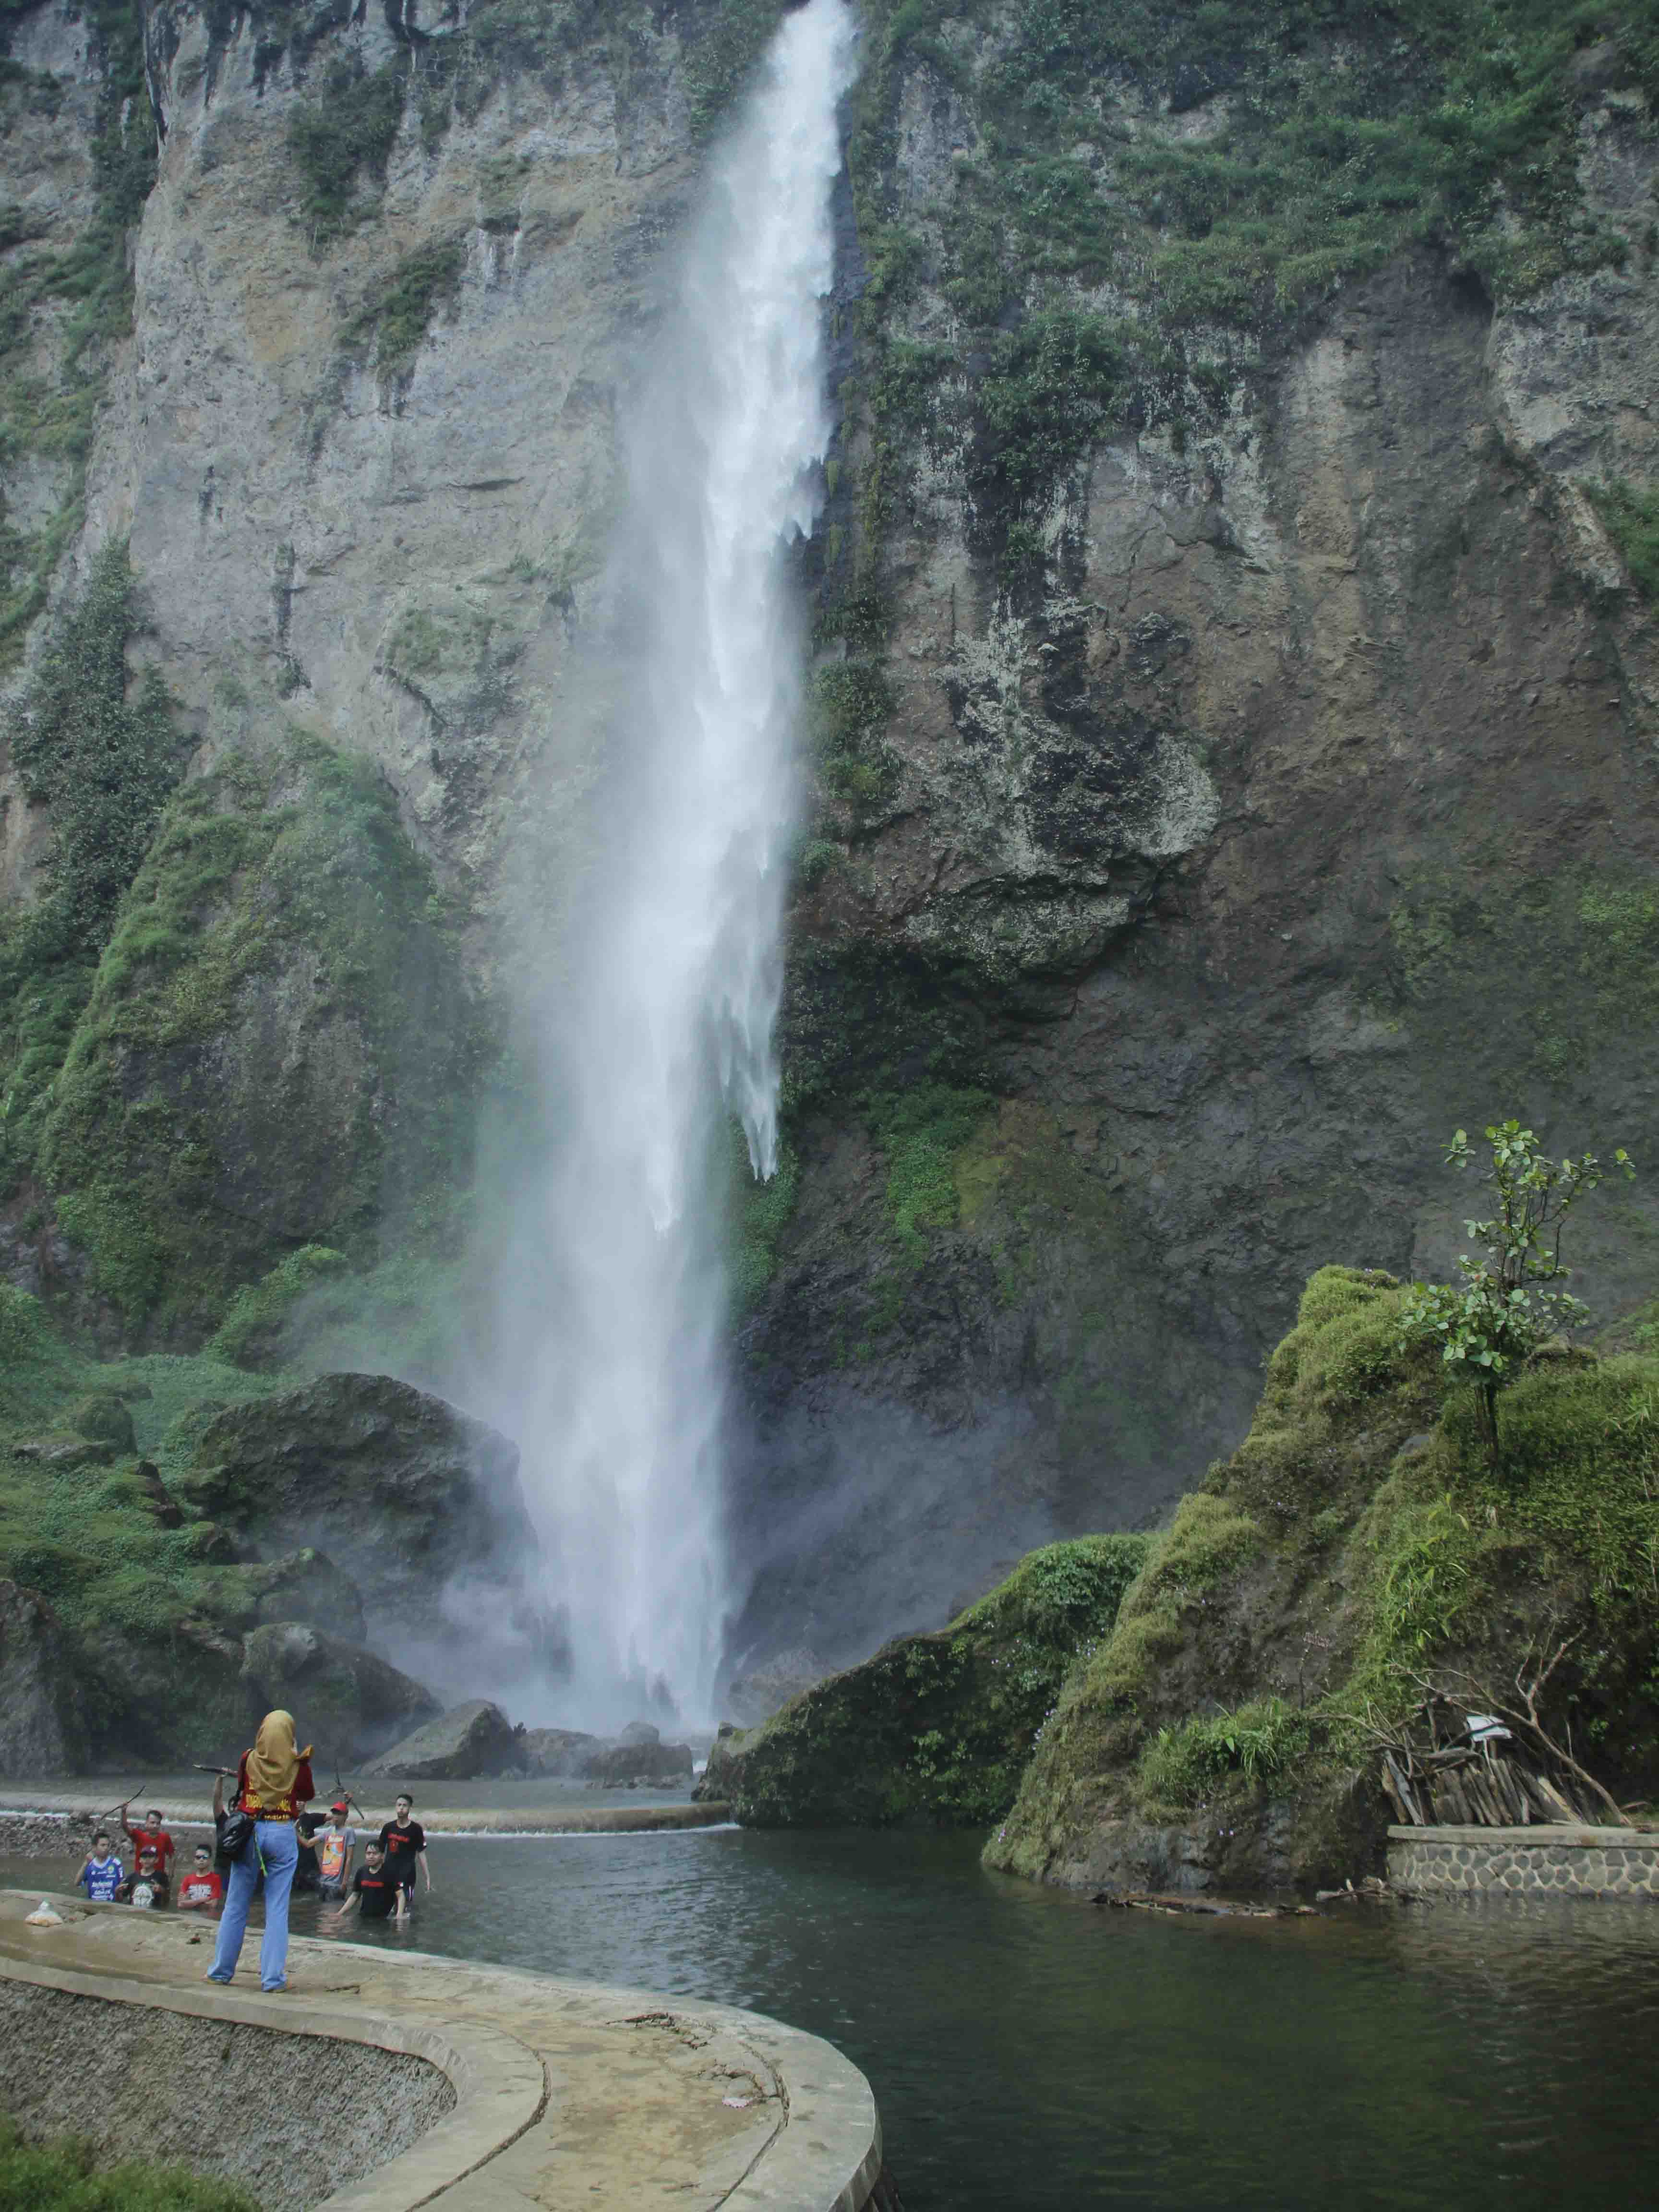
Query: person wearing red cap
{"points": [[335, 1846]]}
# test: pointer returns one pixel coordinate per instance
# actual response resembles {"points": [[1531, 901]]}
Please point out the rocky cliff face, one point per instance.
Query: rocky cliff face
{"points": [[1234, 699], [1265, 789]]}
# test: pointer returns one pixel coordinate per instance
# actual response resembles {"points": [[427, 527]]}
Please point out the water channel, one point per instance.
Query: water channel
{"points": [[1030, 2050]]}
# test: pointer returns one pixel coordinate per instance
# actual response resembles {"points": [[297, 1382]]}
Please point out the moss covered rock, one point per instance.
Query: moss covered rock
{"points": [[106, 1418], [936, 1728], [405, 1495], [1357, 1545]]}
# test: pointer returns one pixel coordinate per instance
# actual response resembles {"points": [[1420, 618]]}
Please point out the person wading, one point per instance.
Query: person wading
{"points": [[272, 1782]]}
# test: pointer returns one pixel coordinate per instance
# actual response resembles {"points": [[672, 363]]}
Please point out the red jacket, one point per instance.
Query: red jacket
{"points": [[303, 1791]]}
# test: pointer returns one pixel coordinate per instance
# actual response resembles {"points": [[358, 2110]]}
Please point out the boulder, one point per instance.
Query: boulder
{"points": [[65, 1451], [210, 1545], [558, 1753], [104, 1418], [344, 1700], [624, 1765], [470, 1740], [41, 1729], [307, 1586], [720, 1770], [640, 1732], [404, 1494]]}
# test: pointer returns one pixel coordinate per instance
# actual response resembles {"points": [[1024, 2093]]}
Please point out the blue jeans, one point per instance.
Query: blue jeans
{"points": [[277, 1849]]}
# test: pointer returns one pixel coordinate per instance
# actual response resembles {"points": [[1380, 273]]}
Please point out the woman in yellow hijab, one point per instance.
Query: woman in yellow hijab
{"points": [[273, 1782]]}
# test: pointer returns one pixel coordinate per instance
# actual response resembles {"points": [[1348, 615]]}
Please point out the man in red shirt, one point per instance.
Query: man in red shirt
{"points": [[200, 1889], [152, 1837]]}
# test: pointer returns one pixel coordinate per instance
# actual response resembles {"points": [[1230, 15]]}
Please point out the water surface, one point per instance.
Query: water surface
{"points": [[1030, 2051]]}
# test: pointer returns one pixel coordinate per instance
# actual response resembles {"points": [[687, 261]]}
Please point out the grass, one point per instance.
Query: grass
{"points": [[1630, 515], [396, 320], [340, 140], [923, 1132], [1526, 979], [849, 707], [761, 1214], [83, 1535], [258, 1314], [1262, 1744], [64, 2176]]}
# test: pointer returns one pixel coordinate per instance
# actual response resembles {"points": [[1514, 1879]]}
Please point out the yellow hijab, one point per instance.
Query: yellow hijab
{"points": [[274, 1762]]}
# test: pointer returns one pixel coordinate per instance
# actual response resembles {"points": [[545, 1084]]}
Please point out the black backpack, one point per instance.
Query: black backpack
{"points": [[235, 1834]]}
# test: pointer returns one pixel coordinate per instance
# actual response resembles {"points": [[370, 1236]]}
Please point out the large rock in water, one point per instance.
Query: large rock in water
{"points": [[470, 1740], [935, 1728], [559, 1753], [41, 1731], [416, 1503], [346, 1701], [638, 1758]]}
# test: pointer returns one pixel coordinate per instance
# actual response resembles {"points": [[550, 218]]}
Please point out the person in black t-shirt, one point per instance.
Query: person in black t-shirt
{"points": [[306, 1876], [404, 1842], [374, 1894], [147, 1884]]}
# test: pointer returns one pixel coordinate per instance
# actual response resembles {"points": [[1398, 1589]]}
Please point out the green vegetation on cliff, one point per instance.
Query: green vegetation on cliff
{"points": [[934, 1729], [278, 1048], [103, 764], [84, 1524], [1357, 1545], [1140, 196], [66, 303], [1630, 513], [233, 1023]]}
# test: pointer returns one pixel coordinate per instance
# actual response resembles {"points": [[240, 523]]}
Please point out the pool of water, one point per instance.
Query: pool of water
{"points": [[1031, 2050]]}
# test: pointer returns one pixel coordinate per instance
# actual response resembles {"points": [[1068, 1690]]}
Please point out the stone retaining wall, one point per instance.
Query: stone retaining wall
{"points": [[1560, 1860], [294, 2117]]}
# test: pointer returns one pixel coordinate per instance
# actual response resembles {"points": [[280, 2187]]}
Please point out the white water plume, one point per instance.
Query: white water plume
{"points": [[675, 967]]}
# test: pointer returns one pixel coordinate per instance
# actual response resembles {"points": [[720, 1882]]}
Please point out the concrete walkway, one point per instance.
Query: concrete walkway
{"points": [[567, 2094]]}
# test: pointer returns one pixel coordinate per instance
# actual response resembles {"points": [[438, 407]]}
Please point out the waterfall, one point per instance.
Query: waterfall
{"points": [[664, 1036]]}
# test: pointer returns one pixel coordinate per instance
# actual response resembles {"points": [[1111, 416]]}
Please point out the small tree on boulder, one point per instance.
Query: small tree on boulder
{"points": [[1489, 1325]]}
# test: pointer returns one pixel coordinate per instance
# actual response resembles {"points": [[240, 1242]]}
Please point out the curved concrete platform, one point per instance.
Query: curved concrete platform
{"points": [[565, 2093]]}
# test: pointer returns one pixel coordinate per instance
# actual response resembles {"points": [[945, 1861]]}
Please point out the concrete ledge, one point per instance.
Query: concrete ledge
{"points": [[565, 2093], [42, 1824]]}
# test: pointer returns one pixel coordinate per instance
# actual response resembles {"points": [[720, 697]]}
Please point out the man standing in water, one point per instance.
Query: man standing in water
{"points": [[404, 1842]]}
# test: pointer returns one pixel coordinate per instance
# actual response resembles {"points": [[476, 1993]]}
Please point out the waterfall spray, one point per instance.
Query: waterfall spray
{"points": [[675, 967]]}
